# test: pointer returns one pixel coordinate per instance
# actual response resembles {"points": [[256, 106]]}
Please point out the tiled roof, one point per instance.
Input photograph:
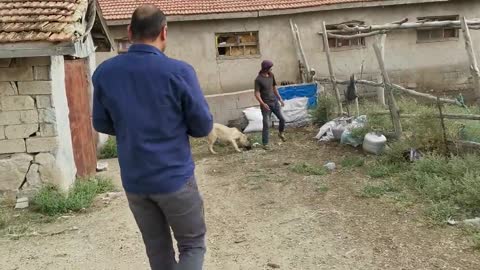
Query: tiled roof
{"points": [[122, 9], [41, 20]]}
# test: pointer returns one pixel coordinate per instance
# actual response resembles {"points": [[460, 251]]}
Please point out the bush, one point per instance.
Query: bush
{"points": [[109, 150], [441, 212], [50, 201], [325, 111], [454, 181]]}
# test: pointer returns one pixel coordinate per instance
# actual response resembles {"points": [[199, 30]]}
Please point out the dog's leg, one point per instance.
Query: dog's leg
{"points": [[211, 141], [234, 143]]}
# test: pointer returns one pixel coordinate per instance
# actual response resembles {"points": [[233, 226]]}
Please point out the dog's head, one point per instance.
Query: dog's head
{"points": [[245, 142]]}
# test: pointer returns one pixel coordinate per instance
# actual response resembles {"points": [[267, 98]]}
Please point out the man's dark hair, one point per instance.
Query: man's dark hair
{"points": [[147, 23]]}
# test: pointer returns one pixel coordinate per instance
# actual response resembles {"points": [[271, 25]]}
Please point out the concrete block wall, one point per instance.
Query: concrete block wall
{"points": [[29, 136], [229, 106]]}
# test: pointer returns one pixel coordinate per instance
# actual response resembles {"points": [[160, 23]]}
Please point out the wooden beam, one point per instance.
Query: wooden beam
{"points": [[362, 35], [300, 55], [472, 117], [35, 49], [424, 95], [379, 47], [407, 25], [398, 87], [472, 59], [330, 69]]}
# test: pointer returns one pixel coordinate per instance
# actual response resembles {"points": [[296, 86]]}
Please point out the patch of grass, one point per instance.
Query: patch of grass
{"points": [[307, 169], [440, 212], [322, 189], [103, 184], [3, 220], [476, 241], [382, 170], [353, 162], [50, 201], [256, 138], [378, 190], [109, 150]]}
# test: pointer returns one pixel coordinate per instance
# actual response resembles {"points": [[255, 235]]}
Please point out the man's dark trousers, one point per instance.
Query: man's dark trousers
{"points": [[183, 212]]}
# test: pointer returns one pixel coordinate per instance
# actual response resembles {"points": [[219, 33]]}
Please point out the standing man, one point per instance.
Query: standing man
{"points": [[270, 100], [152, 104]]}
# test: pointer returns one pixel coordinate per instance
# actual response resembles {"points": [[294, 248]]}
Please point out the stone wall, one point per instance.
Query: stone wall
{"points": [[30, 144]]}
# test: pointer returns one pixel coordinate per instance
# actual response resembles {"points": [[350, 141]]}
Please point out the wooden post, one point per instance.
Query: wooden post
{"points": [[330, 68], [299, 54], [379, 47], [381, 92], [472, 59], [306, 76], [442, 123]]}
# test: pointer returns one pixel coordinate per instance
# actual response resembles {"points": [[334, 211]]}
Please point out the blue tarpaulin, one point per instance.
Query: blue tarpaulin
{"points": [[300, 90]]}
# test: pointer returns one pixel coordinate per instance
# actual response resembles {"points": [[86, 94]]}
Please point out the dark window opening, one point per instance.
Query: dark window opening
{"points": [[346, 43], [437, 34], [237, 44]]}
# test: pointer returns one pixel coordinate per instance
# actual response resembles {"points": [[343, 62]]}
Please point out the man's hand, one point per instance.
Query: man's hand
{"points": [[266, 107], [282, 103]]}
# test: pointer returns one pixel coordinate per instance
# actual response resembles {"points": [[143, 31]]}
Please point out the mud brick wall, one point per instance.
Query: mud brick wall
{"points": [[29, 141]]}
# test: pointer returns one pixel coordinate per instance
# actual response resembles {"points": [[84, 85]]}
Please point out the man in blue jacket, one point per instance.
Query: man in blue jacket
{"points": [[152, 104]]}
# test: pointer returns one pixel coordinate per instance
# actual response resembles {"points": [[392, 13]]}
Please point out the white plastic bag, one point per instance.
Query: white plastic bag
{"points": [[295, 110], [254, 117]]}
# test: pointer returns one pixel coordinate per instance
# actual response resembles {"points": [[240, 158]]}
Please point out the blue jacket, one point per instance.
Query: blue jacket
{"points": [[151, 103]]}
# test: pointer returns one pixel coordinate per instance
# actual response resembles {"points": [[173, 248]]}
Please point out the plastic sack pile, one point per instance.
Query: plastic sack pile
{"points": [[295, 113], [341, 129]]}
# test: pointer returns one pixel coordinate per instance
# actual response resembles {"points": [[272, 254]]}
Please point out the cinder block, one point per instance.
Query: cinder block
{"points": [[29, 117], [35, 88], [16, 74], [12, 146], [44, 101], [41, 144], [41, 73], [10, 118], [20, 131], [8, 89], [17, 103], [33, 61], [47, 116], [48, 130]]}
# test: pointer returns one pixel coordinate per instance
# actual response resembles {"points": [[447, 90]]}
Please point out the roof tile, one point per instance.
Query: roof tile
{"points": [[122, 10], [41, 20]]}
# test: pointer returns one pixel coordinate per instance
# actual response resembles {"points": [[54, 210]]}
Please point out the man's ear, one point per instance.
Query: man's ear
{"points": [[163, 34], [130, 35]]}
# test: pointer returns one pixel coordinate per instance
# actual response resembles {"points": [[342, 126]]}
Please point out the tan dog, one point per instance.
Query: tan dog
{"points": [[226, 134]]}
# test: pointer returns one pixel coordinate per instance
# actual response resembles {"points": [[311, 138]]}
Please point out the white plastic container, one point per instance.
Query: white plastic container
{"points": [[374, 143]]}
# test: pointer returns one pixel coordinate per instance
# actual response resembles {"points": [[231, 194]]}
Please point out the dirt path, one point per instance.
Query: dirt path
{"points": [[258, 212]]}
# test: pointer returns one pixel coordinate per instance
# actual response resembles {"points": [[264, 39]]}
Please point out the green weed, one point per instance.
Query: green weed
{"points": [[110, 149], [325, 111], [307, 169], [476, 241], [50, 201], [353, 162]]}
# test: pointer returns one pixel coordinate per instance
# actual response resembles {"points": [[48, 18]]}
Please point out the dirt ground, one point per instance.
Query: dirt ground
{"points": [[260, 213]]}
